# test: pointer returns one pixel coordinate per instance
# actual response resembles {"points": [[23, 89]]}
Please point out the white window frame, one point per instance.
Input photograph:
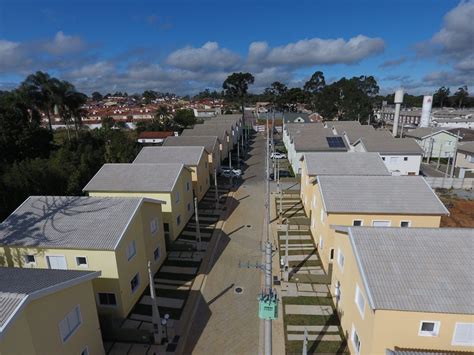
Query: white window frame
{"points": [[454, 342], [322, 215], [86, 265], [130, 255], [382, 220], [138, 283], [71, 332], [153, 226], [31, 263], [106, 305], [46, 257], [314, 201], [353, 333], [359, 220], [359, 294], [409, 224], [339, 254], [435, 331]]}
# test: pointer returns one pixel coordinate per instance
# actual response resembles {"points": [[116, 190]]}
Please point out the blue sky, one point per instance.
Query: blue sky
{"points": [[187, 46]]}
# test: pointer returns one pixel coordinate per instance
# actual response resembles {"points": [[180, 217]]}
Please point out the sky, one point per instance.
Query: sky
{"points": [[186, 46]]}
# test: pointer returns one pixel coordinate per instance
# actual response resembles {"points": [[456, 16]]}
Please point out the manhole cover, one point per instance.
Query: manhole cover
{"points": [[238, 290]]}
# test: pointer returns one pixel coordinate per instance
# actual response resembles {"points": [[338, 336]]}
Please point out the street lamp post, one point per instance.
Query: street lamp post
{"points": [[155, 313]]}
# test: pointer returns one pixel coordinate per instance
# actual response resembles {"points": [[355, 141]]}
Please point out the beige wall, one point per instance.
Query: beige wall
{"points": [[36, 331], [463, 161], [385, 329], [200, 177], [321, 230], [307, 189]]}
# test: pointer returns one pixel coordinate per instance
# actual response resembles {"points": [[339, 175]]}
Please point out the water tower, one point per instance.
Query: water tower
{"points": [[398, 102], [426, 111]]}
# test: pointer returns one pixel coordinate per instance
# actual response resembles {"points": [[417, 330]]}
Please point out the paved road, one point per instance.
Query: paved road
{"points": [[226, 322]]}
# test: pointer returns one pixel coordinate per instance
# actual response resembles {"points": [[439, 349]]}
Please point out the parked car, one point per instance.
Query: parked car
{"points": [[231, 172], [283, 174], [278, 155]]}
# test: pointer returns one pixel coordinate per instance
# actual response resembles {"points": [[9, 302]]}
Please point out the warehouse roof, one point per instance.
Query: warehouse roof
{"points": [[330, 163], [384, 145], [189, 156], [20, 286], [70, 222], [379, 194], [135, 177], [416, 269], [208, 142]]}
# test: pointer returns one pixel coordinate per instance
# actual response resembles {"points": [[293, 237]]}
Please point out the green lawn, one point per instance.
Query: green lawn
{"points": [[307, 300]]}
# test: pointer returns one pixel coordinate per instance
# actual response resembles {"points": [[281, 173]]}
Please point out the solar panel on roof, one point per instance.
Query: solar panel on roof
{"points": [[335, 142]]}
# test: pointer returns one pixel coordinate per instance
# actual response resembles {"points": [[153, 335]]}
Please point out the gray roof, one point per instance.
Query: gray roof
{"points": [[189, 156], [135, 177], [17, 285], [212, 130], [423, 132], [409, 195], [417, 269], [295, 129], [208, 142], [384, 145], [343, 124], [355, 133], [330, 163], [316, 141], [466, 147], [71, 222]]}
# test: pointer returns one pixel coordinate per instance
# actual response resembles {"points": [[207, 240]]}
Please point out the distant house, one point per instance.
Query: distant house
{"points": [[114, 235], [435, 142], [405, 291], [48, 312], [154, 137], [205, 113]]}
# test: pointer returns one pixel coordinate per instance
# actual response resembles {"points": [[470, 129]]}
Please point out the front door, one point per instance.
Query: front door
{"points": [[57, 262]]}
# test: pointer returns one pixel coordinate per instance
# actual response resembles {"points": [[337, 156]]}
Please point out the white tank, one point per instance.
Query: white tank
{"points": [[398, 101], [426, 111], [398, 96]]}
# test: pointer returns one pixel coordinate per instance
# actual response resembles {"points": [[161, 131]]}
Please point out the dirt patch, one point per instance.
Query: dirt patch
{"points": [[461, 212]]}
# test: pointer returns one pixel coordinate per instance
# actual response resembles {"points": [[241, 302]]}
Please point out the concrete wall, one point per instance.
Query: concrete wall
{"points": [[397, 164], [464, 160]]}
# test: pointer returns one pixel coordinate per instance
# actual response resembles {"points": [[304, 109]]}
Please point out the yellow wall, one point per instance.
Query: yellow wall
{"points": [[307, 189], [36, 331], [322, 230], [385, 329], [200, 176]]}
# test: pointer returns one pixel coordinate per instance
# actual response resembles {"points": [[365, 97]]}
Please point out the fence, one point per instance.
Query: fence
{"points": [[450, 183]]}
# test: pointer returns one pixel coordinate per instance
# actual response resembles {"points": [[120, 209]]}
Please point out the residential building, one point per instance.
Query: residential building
{"points": [[379, 201], [210, 143], [465, 157], [206, 112], [230, 126], [435, 142], [171, 183], [153, 137], [194, 158], [113, 235], [405, 289], [402, 156], [220, 132], [48, 312], [330, 163]]}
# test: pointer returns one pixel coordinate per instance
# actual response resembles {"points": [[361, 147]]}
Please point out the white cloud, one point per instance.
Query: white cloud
{"points": [[64, 44], [317, 51], [94, 70], [209, 56]]}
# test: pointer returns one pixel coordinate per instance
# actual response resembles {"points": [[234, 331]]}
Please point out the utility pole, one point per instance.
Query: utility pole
{"points": [[155, 314], [238, 155], [286, 273], [215, 187], [268, 251], [455, 152], [439, 154], [198, 229]]}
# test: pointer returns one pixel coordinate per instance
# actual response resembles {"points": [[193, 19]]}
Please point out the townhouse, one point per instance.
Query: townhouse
{"points": [[48, 312], [379, 201], [330, 163], [230, 126], [435, 142], [402, 156], [116, 236], [465, 157], [210, 143], [405, 290], [170, 183], [220, 132], [194, 158]]}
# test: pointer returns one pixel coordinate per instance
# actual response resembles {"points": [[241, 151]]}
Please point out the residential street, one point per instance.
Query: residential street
{"points": [[227, 322]]}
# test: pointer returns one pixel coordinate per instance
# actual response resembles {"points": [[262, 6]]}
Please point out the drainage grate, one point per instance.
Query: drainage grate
{"points": [[238, 290]]}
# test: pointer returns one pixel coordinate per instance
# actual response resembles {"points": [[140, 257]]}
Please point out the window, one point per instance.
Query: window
{"points": [[314, 201], [85, 351], [153, 226], [166, 227], [355, 340], [189, 206], [178, 220], [205, 164], [176, 197], [321, 242], [331, 254], [380, 223], [187, 189], [30, 259], [135, 282], [107, 299], [463, 334], [340, 259], [405, 224], [156, 253], [383, 158], [70, 323], [429, 329], [357, 222], [81, 261], [393, 160], [131, 250], [359, 300], [405, 158]]}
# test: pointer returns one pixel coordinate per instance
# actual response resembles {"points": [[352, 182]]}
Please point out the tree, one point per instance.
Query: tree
{"points": [[441, 95], [276, 94], [316, 83], [184, 118], [149, 96], [461, 95], [236, 87], [69, 103], [96, 96]]}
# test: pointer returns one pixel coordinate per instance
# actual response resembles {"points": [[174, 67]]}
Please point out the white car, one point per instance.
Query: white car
{"points": [[237, 172], [277, 155], [231, 172]]}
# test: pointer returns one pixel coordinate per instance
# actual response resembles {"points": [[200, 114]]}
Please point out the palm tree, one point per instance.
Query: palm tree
{"points": [[39, 88], [69, 103]]}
